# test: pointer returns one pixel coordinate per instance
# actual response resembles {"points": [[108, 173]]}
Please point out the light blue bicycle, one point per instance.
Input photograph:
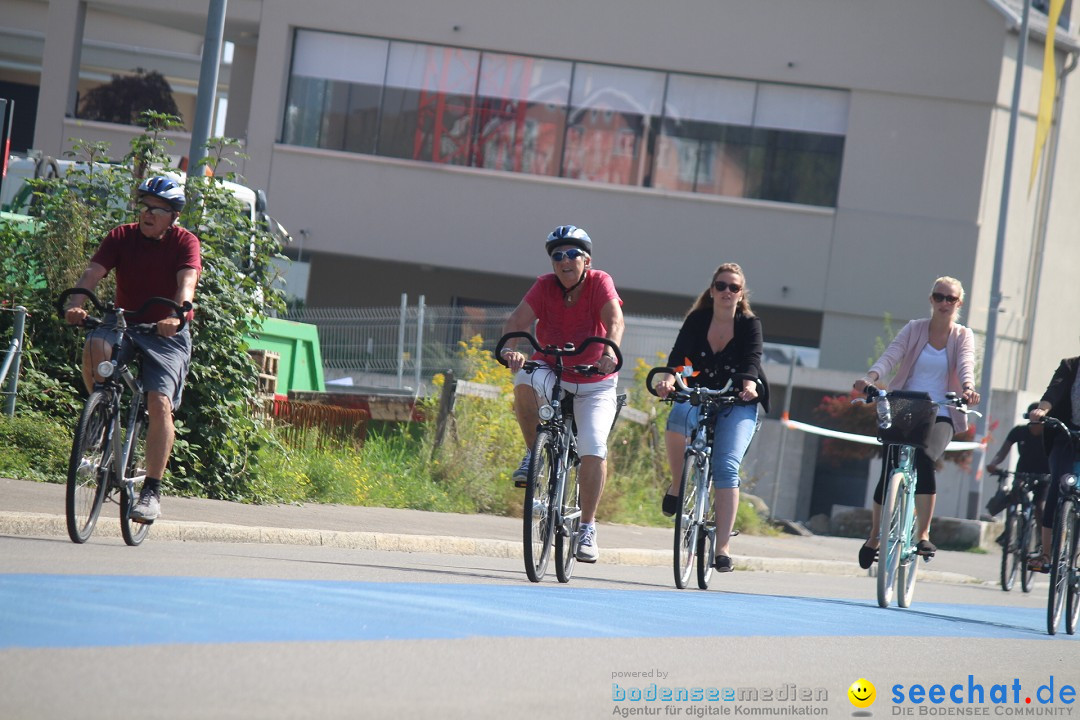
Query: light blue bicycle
{"points": [[905, 420]]}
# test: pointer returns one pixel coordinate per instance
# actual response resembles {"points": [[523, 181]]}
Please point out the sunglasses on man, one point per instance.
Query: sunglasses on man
{"points": [[153, 210], [571, 254]]}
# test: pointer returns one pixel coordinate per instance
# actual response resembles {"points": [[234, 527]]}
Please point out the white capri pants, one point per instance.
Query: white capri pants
{"points": [[595, 405]]}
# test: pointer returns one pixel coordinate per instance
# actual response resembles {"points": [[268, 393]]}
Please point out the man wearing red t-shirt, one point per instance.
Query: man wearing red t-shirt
{"points": [[569, 305], [153, 257]]}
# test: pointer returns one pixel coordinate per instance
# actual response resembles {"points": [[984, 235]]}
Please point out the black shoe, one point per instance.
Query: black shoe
{"points": [[925, 548], [867, 556], [723, 563], [670, 505]]}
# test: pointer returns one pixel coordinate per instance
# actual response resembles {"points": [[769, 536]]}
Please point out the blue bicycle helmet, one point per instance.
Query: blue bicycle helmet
{"points": [[165, 188], [568, 235]]}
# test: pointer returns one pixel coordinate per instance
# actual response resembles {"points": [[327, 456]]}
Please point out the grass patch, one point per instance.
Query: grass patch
{"points": [[34, 448]]}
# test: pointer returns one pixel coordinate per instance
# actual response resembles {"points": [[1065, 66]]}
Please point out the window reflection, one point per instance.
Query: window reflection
{"points": [[596, 123]]}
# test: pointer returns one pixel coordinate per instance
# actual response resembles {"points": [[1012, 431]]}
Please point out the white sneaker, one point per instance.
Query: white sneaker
{"points": [[587, 550]]}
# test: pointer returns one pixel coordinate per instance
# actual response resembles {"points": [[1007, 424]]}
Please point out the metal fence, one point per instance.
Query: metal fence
{"points": [[403, 347]]}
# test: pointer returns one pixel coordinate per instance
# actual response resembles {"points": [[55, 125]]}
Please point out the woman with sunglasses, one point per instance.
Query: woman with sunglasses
{"points": [[573, 302], [935, 355], [721, 340]]}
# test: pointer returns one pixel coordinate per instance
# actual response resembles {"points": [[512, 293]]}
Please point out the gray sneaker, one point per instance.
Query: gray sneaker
{"points": [[587, 551], [147, 509], [521, 475]]}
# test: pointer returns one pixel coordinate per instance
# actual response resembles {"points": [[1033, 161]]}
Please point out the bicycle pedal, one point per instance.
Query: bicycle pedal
{"points": [[521, 483]]}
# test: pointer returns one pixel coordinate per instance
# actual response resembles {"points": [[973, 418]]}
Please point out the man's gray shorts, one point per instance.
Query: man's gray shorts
{"points": [[165, 360]]}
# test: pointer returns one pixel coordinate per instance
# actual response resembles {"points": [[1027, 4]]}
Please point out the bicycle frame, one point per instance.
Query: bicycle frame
{"points": [[558, 515]]}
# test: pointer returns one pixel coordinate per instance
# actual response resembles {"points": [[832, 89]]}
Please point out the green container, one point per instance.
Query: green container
{"points": [[297, 345]]}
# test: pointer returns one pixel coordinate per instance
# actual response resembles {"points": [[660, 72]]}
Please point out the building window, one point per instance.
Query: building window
{"points": [[540, 116], [612, 111], [521, 111], [429, 102], [334, 91]]}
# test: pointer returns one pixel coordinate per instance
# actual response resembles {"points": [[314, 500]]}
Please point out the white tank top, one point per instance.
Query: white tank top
{"points": [[931, 375]]}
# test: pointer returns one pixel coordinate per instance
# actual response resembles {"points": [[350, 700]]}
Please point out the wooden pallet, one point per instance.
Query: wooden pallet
{"points": [[267, 364]]}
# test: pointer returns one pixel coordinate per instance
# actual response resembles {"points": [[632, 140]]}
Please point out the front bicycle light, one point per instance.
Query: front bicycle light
{"points": [[105, 368]]}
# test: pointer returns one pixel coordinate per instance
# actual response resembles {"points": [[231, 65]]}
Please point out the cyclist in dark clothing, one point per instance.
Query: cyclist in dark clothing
{"points": [[1062, 402], [1028, 439]]}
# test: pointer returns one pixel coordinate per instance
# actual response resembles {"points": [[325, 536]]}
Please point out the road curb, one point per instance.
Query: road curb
{"points": [[45, 524]]}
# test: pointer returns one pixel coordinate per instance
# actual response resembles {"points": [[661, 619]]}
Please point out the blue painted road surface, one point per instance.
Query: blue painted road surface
{"points": [[64, 611]]}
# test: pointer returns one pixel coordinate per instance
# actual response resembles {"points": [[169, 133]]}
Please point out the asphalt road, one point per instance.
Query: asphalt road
{"points": [[224, 630]]}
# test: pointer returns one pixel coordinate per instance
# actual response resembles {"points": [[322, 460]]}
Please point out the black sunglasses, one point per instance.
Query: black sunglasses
{"points": [[951, 299], [720, 286], [572, 254]]}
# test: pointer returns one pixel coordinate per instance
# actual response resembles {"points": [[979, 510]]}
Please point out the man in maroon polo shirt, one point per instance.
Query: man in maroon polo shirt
{"points": [[153, 257]]}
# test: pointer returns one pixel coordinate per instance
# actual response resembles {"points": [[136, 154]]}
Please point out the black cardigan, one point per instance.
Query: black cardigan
{"points": [[1059, 395], [740, 358]]}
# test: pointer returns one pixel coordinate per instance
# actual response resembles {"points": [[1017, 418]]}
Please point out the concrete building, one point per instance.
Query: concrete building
{"points": [[844, 153]]}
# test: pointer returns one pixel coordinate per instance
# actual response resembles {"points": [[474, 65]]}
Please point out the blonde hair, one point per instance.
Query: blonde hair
{"points": [[704, 300], [948, 280]]}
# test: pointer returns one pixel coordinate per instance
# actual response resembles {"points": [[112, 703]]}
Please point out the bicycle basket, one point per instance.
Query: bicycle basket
{"points": [[913, 416]]}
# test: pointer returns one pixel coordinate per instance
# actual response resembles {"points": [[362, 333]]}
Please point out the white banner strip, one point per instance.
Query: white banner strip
{"points": [[866, 439]]}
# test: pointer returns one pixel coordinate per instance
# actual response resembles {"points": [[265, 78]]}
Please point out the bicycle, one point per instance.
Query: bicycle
{"points": [[695, 521], [905, 420], [1064, 570], [107, 456], [1021, 539], [552, 510]]}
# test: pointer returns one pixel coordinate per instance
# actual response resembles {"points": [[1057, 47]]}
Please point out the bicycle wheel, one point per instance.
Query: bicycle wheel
{"points": [[1060, 564], [891, 539], [1032, 547], [1072, 594], [1011, 547], [539, 531], [566, 536], [88, 468], [134, 533], [706, 544], [686, 521]]}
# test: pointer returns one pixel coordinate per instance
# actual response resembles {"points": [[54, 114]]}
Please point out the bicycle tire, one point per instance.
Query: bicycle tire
{"points": [[538, 526], [1032, 547], [1059, 566], [88, 468], [1072, 593], [890, 541], [1012, 546], [566, 536], [134, 533], [686, 522], [706, 550]]}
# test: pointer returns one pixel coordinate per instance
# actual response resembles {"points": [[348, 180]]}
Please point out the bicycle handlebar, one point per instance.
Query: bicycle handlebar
{"points": [[872, 393], [558, 353], [694, 395], [179, 311]]}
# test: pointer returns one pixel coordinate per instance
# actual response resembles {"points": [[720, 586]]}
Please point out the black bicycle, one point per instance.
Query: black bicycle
{"points": [[1064, 571], [552, 509], [108, 456], [1021, 540], [695, 520]]}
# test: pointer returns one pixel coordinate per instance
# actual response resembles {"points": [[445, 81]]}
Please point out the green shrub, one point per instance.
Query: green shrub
{"points": [[34, 448]]}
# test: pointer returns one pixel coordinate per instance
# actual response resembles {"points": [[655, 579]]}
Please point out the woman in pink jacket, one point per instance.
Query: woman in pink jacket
{"points": [[935, 355]]}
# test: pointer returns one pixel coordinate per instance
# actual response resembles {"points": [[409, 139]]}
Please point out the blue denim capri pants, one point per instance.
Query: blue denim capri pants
{"points": [[735, 428]]}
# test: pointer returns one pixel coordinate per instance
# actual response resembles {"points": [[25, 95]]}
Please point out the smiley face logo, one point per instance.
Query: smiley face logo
{"points": [[862, 693]]}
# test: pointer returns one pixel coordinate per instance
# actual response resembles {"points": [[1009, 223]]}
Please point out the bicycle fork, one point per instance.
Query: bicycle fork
{"points": [[906, 469]]}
